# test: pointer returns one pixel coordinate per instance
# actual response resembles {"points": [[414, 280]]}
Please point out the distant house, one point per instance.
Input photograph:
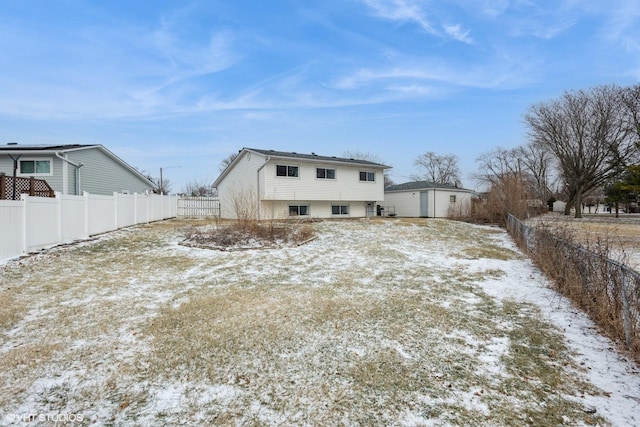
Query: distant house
{"points": [[269, 184], [74, 169], [427, 199], [559, 205]]}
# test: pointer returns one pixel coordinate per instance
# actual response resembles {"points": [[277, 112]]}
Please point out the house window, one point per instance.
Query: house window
{"points": [[286, 170], [298, 210], [35, 167], [339, 209], [368, 176], [452, 199], [322, 173]]}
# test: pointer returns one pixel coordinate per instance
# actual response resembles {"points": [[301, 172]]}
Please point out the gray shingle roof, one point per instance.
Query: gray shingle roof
{"points": [[314, 156], [18, 147]]}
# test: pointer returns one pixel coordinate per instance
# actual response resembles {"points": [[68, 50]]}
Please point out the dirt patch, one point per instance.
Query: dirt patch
{"points": [[245, 236]]}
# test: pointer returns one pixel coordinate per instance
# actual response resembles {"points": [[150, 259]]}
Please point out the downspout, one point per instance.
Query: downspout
{"points": [[258, 179], [434, 203], [77, 170]]}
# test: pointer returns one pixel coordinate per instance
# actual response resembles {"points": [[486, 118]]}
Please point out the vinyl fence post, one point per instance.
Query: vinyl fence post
{"points": [[135, 208], [59, 199], [86, 214], [115, 210], [625, 309], [25, 225]]}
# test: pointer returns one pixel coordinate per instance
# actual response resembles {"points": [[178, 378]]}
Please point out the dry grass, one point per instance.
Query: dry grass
{"points": [[375, 323], [620, 236]]}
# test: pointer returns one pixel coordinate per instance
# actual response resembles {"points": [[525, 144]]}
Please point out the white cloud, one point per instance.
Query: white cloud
{"points": [[417, 12], [401, 10], [622, 24], [492, 75], [458, 33], [494, 8]]}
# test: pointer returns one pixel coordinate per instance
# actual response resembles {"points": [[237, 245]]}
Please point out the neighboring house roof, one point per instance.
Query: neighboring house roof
{"points": [[422, 185], [21, 148], [298, 156], [13, 148]]}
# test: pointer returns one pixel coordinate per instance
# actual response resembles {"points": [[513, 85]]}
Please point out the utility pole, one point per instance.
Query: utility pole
{"points": [[162, 180]]}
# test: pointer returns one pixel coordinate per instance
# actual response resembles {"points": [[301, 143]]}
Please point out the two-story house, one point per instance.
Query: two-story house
{"points": [[266, 184]]}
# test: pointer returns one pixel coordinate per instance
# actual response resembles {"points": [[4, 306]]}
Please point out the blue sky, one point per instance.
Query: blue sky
{"points": [[183, 84]]}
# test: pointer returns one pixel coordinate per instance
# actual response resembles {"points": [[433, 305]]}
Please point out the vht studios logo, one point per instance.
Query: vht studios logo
{"points": [[30, 418]]}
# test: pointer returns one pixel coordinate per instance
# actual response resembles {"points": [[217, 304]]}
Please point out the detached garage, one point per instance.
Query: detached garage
{"points": [[428, 199]]}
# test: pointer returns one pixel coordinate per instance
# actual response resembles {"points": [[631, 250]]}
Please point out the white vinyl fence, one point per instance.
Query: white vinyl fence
{"points": [[33, 223]]}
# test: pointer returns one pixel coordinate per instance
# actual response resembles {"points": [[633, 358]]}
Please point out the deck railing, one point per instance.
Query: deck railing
{"points": [[11, 188]]}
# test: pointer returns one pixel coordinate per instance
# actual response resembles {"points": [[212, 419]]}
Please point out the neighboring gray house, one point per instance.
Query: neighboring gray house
{"points": [[428, 199], [74, 169]]}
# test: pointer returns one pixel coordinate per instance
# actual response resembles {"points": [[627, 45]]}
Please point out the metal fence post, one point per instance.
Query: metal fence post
{"points": [[625, 309]]}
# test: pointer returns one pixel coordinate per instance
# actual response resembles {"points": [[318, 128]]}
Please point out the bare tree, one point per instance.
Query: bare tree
{"points": [[164, 185], [199, 189], [508, 187], [631, 102], [497, 164], [537, 162], [585, 132], [441, 169], [361, 155], [369, 157], [227, 161]]}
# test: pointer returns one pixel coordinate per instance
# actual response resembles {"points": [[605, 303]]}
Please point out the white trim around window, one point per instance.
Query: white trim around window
{"points": [[35, 166], [367, 176], [298, 210], [287, 171], [340, 210], [326, 173]]}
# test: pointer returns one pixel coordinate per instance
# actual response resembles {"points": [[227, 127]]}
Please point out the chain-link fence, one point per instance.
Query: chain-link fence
{"points": [[607, 290]]}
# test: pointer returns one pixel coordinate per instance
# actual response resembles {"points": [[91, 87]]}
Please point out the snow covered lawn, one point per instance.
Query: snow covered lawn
{"points": [[376, 322]]}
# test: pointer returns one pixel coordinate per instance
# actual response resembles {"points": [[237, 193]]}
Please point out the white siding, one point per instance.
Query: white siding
{"points": [[241, 181], [317, 209], [346, 185], [407, 203]]}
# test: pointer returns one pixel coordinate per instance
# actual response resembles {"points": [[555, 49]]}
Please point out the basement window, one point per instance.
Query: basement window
{"points": [[339, 209], [298, 210]]}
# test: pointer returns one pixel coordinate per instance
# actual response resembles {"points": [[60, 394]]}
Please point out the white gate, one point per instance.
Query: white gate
{"points": [[198, 207]]}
